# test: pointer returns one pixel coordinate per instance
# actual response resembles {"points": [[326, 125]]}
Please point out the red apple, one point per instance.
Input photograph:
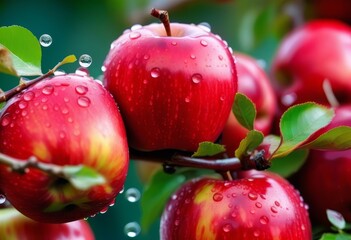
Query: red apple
{"points": [[324, 180], [257, 205], [338, 9], [64, 120], [255, 84], [173, 91], [14, 225], [312, 53]]}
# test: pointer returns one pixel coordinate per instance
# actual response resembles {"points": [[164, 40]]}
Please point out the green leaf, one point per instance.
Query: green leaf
{"points": [[206, 149], [335, 236], [338, 138], [244, 111], [252, 140], [271, 143], [83, 177], [156, 195], [287, 165], [336, 219], [299, 122], [160, 189], [20, 52]]}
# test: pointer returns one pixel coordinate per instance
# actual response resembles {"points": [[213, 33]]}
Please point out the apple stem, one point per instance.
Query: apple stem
{"points": [[328, 91], [21, 166], [171, 160], [23, 84], [164, 18]]}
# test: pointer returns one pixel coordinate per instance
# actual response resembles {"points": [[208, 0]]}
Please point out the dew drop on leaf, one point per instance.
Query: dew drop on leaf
{"points": [[45, 40], [85, 60], [132, 195], [132, 229]]}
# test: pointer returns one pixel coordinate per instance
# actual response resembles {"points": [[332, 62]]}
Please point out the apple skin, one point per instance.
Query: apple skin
{"points": [[324, 180], [64, 120], [173, 92], [257, 205], [255, 84], [338, 9], [14, 225], [318, 50]]}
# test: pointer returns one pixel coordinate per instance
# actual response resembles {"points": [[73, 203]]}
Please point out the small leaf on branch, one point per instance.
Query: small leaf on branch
{"points": [[20, 52], [252, 140], [289, 164], [68, 59], [338, 138], [82, 177], [244, 111], [298, 123], [208, 149]]}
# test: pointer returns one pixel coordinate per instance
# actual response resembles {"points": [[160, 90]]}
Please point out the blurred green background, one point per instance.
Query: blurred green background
{"points": [[88, 27]]}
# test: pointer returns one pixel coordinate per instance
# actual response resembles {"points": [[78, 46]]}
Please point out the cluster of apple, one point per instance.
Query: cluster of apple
{"points": [[168, 88]]}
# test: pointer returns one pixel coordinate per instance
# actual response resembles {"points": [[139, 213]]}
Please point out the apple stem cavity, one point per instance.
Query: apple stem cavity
{"points": [[164, 18]]}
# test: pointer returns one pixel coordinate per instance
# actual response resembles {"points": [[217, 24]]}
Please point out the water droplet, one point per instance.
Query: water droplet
{"points": [[104, 210], [5, 120], [196, 78], [22, 105], [234, 214], [45, 107], [80, 89], [62, 135], [145, 81], [221, 98], [45, 40], [82, 71], [134, 35], [132, 229], [203, 43], [2, 198], [258, 205], [174, 43], [227, 227], [252, 196], [256, 233], [59, 72], [192, 56], [187, 99], [103, 68], [155, 72], [176, 222], [83, 101], [28, 96], [70, 120], [205, 26], [132, 194], [85, 60], [220, 57], [274, 209], [24, 113], [64, 110], [288, 99], [303, 228], [217, 197], [122, 190], [136, 27], [264, 220], [66, 99], [277, 203], [146, 57], [47, 90], [112, 203]]}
